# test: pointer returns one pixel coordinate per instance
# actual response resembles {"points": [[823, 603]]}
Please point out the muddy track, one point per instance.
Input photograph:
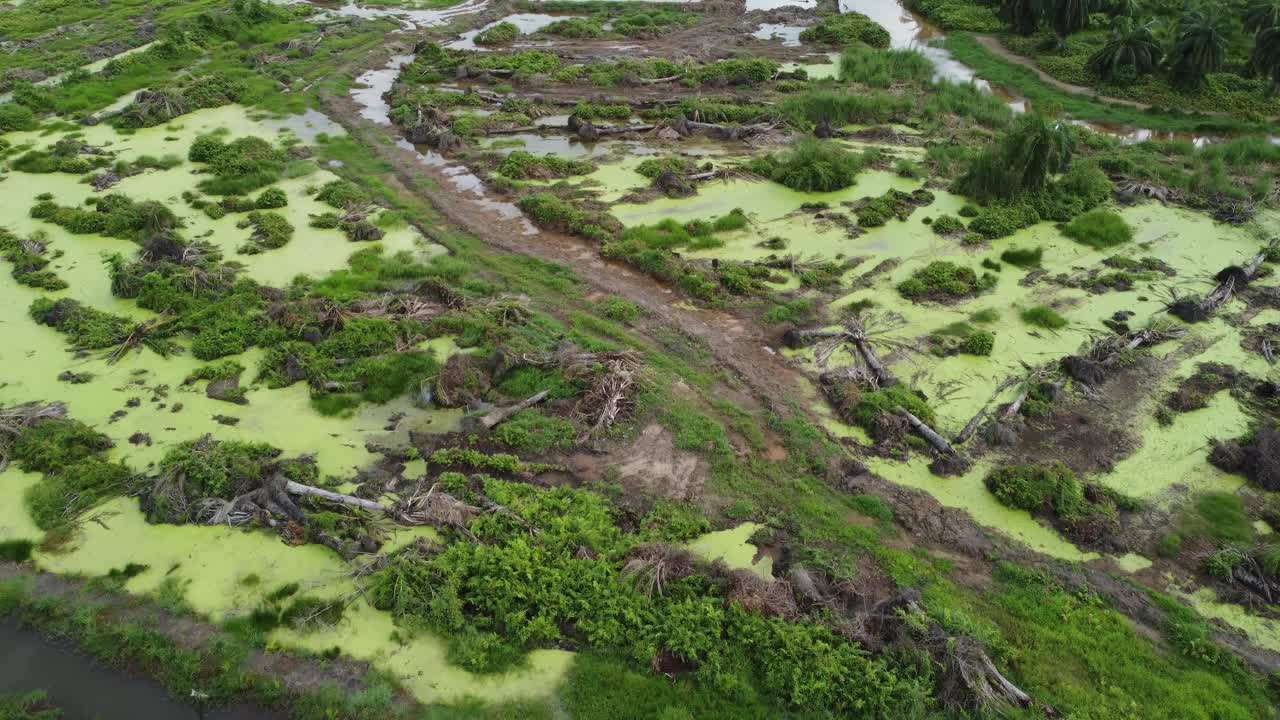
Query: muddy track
{"points": [[992, 44], [736, 343]]}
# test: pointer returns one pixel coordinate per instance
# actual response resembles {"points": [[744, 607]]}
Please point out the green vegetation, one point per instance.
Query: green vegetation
{"points": [[1043, 316], [522, 165], [29, 260], [941, 279], [503, 33], [240, 166], [528, 589], [31, 706], [1023, 257], [845, 29], [881, 68], [1099, 229], [813, 165], [966, 49], [894, 204], [962, 337]]}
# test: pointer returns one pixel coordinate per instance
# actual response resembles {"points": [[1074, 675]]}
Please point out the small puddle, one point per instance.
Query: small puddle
{"points": [[734, 548], [788, 34], [409, 18], [526, 23], [775, 4], [373, 85]]}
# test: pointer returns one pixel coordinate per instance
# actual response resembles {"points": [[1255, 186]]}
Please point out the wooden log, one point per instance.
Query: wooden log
{"points": [[294, 488], [976, 420], [937, 441], [498, 415]]}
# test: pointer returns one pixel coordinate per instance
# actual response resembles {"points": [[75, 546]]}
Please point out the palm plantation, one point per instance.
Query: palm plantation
{"points": [[1201, 47], [1131, 45]]}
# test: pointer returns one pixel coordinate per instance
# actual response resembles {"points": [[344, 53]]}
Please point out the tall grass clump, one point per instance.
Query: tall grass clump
{"points": [[840, 108], [1099, 229], [1044, 316], [813, 165], [861, 63]]}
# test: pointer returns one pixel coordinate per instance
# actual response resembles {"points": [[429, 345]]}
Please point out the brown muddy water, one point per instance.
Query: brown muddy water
{"points": [[85, 689]]}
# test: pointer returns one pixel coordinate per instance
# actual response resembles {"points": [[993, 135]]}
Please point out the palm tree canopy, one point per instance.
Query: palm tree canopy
{"points": [[1131, 45], [1262, 14], [1023, 16], [1266, 54], [1201, 46], [1069, 16], [1037, 148]]}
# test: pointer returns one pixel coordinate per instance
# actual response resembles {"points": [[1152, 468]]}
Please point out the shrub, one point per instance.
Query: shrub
{"points": [[340, 194], [894, 204], [813, 165], [64, 494], [51, 445], [240, 166], [272, 198], [523, 165], [1003, 220], [979, 342], [533, 432], [504, 33], [1023, 257], [941, 278], [947, 224], [1099, 229], [845, 29], [1049, 489], [270, 231], [16, 117], [1043, 316], [575, 28]]}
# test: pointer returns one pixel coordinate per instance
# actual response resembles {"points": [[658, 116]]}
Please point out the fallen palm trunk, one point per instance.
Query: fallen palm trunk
{"points": [[294, 488], [972, 426], [497, 415], [938, 442], [969, 681]]}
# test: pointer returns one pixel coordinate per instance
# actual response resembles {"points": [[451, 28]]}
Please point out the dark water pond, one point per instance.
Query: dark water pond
{"points": [[87, 690]]}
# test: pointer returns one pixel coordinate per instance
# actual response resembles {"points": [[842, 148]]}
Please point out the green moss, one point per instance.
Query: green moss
{"points": [[892, 399]]}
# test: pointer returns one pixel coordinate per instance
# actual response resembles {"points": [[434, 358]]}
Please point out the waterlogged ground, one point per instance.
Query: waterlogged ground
{"points": [[1169, 461], [210, 564]]}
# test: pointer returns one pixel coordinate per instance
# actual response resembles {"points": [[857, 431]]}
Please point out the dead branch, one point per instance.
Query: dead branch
{"points": [[976, 420]]}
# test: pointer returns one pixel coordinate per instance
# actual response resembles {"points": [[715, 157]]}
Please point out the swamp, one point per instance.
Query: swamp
{"points": [[611, 359]]}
